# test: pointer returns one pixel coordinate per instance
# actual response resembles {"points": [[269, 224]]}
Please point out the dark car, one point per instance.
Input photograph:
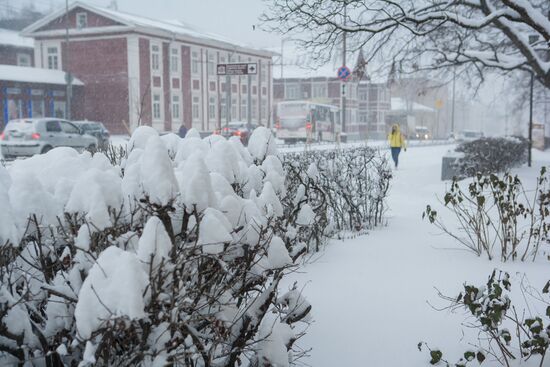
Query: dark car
{"points": [[95, 129], [237, 128]]}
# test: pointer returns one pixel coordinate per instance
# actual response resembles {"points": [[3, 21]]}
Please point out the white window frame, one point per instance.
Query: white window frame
{"points": [[156, 58], [176, 107], [295, 88], [212, 108], [195, 62], [211, 61], [175, 60], [195, 108], [156, 103], [21, 57], [316, 88], [244, 108], [51, 57], [79, 17]]}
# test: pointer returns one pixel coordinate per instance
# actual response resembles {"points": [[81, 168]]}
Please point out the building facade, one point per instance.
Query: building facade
{"points": [[27, 92], [139, 71], [374, 108], [15, 49]]}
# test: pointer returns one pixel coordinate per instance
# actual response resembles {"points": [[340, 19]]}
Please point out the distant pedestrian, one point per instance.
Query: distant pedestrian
{"points": [[397, 142], [182, 131]]}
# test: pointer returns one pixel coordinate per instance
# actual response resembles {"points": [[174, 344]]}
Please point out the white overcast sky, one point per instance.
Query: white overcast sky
{"points": [[231, 18]]}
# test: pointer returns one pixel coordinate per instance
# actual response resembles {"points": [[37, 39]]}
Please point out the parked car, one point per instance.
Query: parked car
{"points": [[421, 133], [95, 129], [237, 128], [26, 137], [469, 135]]}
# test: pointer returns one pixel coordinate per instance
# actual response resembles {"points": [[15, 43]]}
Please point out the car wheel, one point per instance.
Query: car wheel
{"points": [[92, 148], [46, 149]]}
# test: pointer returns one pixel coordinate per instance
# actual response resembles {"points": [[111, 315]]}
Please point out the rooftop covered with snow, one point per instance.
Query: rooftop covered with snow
{"points": [[34, 75], [14, 39], [173, 29]]}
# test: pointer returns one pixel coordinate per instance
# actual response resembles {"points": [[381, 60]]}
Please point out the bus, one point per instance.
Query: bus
{"points": [[307, 121]]}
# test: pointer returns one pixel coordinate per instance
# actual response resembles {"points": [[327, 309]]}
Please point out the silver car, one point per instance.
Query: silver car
{"points": [[26, 137]]}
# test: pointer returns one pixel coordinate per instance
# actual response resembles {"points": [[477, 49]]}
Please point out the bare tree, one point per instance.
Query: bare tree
{"points": [[501, 35]]}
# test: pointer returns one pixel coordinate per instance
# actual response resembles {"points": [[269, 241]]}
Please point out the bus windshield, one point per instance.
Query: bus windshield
{"points": [[293, 110]]}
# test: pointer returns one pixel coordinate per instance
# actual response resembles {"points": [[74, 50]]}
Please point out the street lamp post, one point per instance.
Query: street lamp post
{"points": [[529, 158], [68, 76]]}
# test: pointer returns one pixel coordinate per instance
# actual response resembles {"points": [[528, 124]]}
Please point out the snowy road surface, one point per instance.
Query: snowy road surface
{"points": [[370, 294]]}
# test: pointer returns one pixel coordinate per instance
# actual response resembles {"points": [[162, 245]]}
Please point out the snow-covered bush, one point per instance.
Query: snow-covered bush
{"points": [[497, 216], [172, 258], [506, 334], [333, 191], [491, 155]]}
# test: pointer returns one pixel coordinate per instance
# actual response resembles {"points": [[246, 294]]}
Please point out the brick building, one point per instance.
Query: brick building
{"points": [[32, 92], [15, 49], [143, 71], [373, 109]]}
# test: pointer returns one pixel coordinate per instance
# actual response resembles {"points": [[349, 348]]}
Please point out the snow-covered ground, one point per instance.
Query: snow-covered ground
{"points": [[372, 295]]}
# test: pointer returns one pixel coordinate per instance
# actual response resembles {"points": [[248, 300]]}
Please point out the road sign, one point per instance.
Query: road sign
{"points": [[344, 73], [237, 69]]}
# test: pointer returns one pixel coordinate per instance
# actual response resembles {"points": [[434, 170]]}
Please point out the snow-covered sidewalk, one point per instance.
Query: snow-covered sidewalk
{"points": [[371, 295]]}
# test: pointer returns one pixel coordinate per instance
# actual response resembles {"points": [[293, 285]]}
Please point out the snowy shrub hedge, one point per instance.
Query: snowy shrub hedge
{"points": [[506, 334], [333, 191], [173, 257], [497, 216], [491, 155]]}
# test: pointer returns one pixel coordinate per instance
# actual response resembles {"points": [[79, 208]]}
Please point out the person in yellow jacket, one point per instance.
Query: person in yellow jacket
{"points": [[397, 142]]}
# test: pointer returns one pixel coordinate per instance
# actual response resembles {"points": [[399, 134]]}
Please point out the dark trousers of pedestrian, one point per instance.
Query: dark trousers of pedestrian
{"points": [[395, 155]]}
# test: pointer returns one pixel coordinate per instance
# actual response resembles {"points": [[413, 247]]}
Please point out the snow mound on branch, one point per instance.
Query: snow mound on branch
{"points": [[16, 319], [269, 202], [295, 306], [8, 229], [214, 231], [261, 143], [28, 196], [189, 146], [192, 133], [154, 242], [114, 288], [157, 174], [171, 142], [195, 184], [306, 216], [274, 337], [274, 173], [277, 253], [140, 137], [94, 194], [212, 140], [224, 160]]}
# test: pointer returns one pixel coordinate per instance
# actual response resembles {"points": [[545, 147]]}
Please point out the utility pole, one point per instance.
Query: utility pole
{"points": [[529, 158], [68, 76], [249, 102], [453, 106], [343, 82], [228, 101]]}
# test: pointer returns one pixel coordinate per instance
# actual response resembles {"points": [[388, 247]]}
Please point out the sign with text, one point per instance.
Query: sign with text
{"points": [[237, 69]]}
